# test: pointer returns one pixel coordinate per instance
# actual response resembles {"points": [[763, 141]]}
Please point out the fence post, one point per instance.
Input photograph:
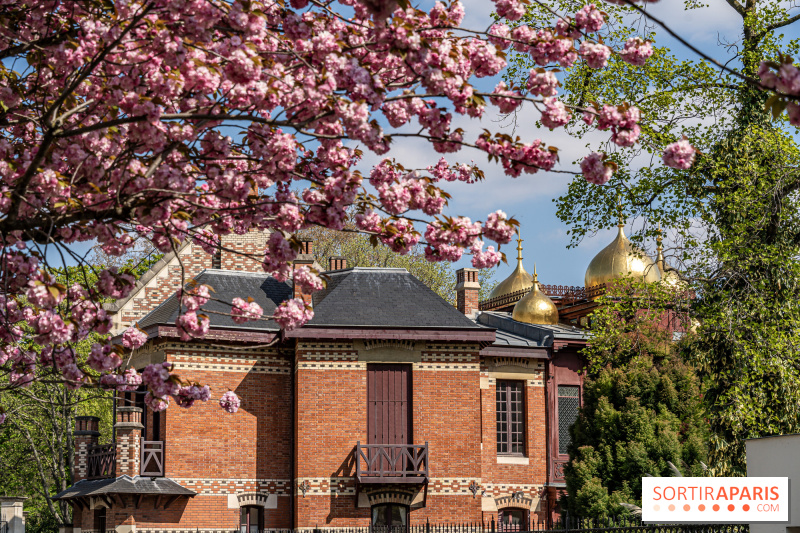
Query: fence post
{"points": [[492, 525]]}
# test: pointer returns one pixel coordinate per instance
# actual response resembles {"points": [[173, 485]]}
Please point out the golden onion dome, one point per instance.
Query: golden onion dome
{"points": [[619, 259], [669, 276], [536, 307], [517, 281]]}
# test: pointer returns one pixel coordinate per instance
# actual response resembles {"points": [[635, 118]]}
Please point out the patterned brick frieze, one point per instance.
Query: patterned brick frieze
{"points": [[235, 486], [349, 365], [447, 367], [324, 486], [498, 490], [331, 351]]}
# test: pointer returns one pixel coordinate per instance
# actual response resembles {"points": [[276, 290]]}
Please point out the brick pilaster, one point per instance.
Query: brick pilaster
{"points": [[467, 290], [129, 434], [87, 433]]}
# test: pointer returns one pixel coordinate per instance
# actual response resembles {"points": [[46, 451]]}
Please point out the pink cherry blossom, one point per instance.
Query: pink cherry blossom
{"points": [[292, 314], [242, 310], [595, 169], [145, 146], [595, 54], [134, 338], [230, 402], [636, 51], [679, 155], [542, 82], [497, 228], [2, 417], [793, 110], [307, 281], [555, 113], [589, 19], [488, 259]]}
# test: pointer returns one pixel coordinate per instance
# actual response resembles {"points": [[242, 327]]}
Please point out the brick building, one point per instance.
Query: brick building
{"points": [[390, 407]]}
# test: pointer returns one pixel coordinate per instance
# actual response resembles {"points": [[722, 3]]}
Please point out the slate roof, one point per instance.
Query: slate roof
{"points": [[124, 485], [510, 332], [383, 297], [228, 284]]}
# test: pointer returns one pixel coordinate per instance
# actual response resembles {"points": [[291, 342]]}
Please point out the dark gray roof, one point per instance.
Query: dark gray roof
{"points": [[382, 297], [510, 332], [124, 485], [228, 284]]}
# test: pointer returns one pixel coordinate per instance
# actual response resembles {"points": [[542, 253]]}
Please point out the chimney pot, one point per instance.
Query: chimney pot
{"points": [[338, 263], [467, 290]]}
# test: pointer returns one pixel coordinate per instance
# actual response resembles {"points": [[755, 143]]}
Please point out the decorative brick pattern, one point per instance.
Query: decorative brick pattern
{"points": [[236, 486]]}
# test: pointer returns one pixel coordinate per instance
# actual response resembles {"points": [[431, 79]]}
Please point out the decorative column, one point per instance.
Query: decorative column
{"points": [[11, 512], [467, 290], [87, 433], [128, 446]]}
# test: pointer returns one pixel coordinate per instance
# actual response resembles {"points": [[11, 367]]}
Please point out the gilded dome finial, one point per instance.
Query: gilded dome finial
{"points": [[620, 213], [535, 307], [518, 280]]}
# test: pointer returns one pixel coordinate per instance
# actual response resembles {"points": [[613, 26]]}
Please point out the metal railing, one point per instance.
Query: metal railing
{"points": [[391, 461], [565, 295], [100, 461], [625, 525], [152, 464]]}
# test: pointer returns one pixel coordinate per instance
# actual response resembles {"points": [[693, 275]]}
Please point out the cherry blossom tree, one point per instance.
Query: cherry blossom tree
{"points": [[175, 120]]}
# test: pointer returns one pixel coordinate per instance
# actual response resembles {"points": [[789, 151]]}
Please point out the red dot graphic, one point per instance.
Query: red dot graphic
{"points": [[731, 507], [746, 507], [687, 507], [701, 507], [671, 507], [716, 507]]}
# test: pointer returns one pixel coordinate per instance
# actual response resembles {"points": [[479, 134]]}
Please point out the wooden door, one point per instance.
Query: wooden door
{"points": [[389, 415]]}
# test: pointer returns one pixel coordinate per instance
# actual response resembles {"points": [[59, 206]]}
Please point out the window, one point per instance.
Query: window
{"points": [[510, 418], [569, 401], [512, 520], [252, 519], [100, 519], [391, 516]]}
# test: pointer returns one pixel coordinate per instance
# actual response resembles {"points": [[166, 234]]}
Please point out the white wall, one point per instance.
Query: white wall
{"points": [[780, 457]]}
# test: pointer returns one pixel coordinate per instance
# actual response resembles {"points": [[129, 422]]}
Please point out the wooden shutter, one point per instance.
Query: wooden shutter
{"points": [[389, 404]]}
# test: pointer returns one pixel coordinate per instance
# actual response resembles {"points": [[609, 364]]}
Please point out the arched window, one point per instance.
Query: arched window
{"points": [[390, 517], [511, 519], [252, 519]]}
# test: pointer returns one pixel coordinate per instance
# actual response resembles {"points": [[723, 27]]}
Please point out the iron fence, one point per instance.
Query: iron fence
{"points": [[579, 525], [3, 526]]}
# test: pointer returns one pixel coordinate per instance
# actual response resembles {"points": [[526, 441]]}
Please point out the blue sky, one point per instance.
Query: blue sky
{"points": [[529, 198]]}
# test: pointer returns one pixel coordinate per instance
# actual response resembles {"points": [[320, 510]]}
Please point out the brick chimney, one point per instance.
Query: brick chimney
{"points": [[304, 258], [129, 440], [337, 262], [467, 289], [87, 434]]}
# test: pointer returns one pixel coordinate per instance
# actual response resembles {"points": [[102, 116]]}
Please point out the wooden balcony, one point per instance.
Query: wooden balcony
{"points": [[100, 461], [392, 463], [152, 463]]}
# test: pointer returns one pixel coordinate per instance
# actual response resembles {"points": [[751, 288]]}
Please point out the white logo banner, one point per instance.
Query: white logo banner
{"points": [[721, 500]]}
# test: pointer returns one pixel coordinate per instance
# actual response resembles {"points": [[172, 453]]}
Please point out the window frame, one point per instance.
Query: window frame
{"points": [[579, 397], [510, 385], [502, 514], [386, 508], [259, 517]]}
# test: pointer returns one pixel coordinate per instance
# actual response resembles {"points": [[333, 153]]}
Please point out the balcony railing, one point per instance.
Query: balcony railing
{"points": [[391, 463], [100, 461], [152, 458]]}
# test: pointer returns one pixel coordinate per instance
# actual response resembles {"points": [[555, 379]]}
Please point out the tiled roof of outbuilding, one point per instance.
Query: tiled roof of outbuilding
{"points": [[124, 485], [227, 284], [383, 297], [354, 297]]}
